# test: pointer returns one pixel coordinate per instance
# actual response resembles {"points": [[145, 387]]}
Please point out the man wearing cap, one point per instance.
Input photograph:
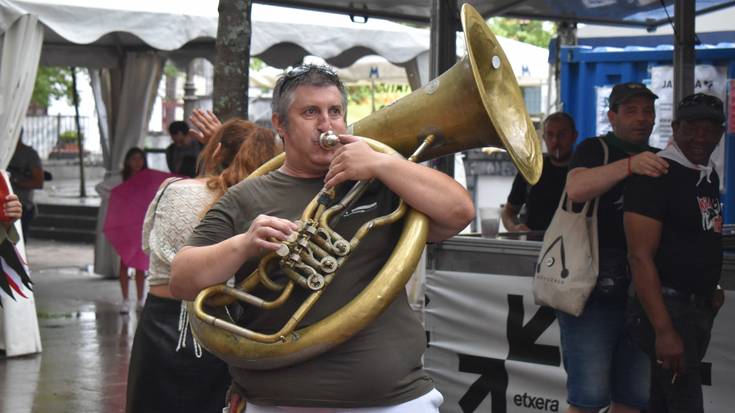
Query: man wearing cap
{"points": [[541, 199], [673, 225], [604, 366]]}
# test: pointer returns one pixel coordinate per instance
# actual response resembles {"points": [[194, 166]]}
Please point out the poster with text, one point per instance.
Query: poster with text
{"points": [[492, 350]]}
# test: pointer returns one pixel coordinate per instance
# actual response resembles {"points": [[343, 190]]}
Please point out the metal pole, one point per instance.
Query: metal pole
{"points": [[75, 96], [684, 59], [58, 127], [372, 94], [566, 36], [444, 24], [190, 98]]}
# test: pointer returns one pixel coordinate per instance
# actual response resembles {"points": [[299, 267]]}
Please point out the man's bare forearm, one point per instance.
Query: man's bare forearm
{"points": [[196, 268], [584, 184]]}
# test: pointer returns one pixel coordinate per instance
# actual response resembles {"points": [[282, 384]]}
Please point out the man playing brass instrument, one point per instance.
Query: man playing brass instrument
{"points": [[379, 369]]}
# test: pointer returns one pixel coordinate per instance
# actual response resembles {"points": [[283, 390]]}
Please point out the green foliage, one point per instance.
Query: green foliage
{"points": [[170, 70], [360, 94], [535, 32], [256, 64], [69, 136], [52, 82], [361, 100]]}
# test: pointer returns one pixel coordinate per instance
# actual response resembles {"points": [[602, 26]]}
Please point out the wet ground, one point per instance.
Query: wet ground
{"points": [[86, 340]]}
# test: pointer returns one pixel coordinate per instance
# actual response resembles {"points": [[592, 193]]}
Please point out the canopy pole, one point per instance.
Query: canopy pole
{"points": [[80, 140], [684, 59], [190, 97], [444, 24], [566, 35]]}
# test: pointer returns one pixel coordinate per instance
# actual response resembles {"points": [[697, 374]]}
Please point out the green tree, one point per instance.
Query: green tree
{"points": [[51, 82], [256, 64], [170, 70], [535, 32]]}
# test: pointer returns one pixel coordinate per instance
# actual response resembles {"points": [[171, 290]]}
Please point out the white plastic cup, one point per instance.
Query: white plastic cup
{"points": [[489, 222]]}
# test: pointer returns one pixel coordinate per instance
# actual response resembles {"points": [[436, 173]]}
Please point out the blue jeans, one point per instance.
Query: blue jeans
{"points": [[603, 363]]}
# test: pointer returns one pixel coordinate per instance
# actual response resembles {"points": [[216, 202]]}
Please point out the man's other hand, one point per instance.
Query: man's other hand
{"points": [[647, 163], [355, 160], [518, 228], [670, 351]]}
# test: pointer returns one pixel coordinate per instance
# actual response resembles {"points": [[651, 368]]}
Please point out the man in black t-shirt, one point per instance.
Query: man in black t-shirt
{"points": [[673, 225], [541, 199], [603, 366]]}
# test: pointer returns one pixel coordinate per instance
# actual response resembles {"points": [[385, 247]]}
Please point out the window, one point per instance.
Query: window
{"points": [[532, 98]]}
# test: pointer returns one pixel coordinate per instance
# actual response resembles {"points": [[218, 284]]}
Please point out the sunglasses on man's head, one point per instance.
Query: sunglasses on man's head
{"points": [[699, 99], [301, 71], [304, 69]]}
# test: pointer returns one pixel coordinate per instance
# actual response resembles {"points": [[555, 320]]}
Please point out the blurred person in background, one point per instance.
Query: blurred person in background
{"points": [[541, 199], [134, 162], [182, 153], [26, 175]]}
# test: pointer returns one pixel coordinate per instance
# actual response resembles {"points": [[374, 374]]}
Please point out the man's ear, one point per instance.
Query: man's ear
{"points": [[611, 116], [674, 126], [278, 125]]}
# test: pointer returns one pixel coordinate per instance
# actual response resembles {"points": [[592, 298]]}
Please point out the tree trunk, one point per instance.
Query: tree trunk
{"points": [[231, 66]]}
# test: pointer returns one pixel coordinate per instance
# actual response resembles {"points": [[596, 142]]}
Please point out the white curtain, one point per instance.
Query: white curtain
{"points": [[20, 55], [127, 101]]}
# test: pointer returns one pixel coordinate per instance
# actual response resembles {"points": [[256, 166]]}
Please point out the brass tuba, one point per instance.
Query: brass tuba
{"points": [[476, 103]]}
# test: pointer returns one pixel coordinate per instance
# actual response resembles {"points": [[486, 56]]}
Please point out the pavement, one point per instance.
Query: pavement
{"points": [[86, 340], [67, 192]]}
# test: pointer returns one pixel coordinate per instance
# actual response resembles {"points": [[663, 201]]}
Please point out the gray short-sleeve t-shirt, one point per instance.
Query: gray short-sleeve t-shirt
{"points": [[379, 366]]}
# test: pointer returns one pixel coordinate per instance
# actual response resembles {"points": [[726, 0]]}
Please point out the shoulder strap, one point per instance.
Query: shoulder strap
{"points": [[168, 183]]}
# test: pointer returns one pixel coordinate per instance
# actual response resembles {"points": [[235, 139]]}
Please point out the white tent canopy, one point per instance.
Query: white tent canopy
{"points": [[187, 29], [92, 33]]}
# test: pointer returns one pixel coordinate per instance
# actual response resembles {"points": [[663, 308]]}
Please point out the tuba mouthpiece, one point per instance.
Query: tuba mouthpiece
{"points": [[328, 140]]}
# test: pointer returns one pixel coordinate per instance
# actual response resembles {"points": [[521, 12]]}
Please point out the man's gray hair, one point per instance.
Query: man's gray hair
{"points": [[304, 75]]}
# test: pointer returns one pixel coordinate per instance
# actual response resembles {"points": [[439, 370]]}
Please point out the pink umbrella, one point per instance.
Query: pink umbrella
{"points": [[125, 214]]}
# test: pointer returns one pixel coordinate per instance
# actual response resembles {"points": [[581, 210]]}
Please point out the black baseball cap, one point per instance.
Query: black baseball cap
{"points": [[624, 91], [701, 106]]}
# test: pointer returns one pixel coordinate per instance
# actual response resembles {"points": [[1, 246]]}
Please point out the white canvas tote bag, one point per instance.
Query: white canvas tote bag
{"points": [[568, 264]]}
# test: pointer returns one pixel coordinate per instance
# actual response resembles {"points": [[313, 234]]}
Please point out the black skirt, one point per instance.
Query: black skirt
{"points": [[163, 380]]}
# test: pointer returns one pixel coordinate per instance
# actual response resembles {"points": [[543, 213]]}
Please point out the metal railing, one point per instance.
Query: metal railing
{"points": [[44, 133]]}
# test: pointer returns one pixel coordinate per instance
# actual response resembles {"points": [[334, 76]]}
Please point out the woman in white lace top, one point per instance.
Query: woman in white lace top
{"points": [[168, 370]]}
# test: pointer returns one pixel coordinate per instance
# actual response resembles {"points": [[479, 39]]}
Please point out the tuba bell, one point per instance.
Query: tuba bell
{"points": [[476, 103]]}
